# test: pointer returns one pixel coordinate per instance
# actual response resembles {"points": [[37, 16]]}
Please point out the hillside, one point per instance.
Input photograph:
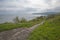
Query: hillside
{"points": [[46, 13], [50, 30]]}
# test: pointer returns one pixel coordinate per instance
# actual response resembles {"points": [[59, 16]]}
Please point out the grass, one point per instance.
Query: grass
{"points": [[50, 30], [9, 26], [19, 24]]}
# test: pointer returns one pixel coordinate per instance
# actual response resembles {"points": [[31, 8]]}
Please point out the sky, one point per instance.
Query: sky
{"points": [[30, 6]]}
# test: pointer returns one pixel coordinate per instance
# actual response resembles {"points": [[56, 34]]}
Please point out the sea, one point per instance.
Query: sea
{"points": [[9, 16]]}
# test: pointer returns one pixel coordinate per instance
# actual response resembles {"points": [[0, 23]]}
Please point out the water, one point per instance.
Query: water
{"points": [[8, 17]]}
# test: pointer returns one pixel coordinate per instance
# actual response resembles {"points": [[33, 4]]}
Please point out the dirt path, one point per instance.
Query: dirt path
{"points": [[17, 34]]}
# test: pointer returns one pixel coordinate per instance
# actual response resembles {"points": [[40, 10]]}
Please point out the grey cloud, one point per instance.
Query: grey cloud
{"points": [[30, 5]]}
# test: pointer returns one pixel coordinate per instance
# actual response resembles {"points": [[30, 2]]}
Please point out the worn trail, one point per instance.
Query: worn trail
{"points": [[18, 34]]}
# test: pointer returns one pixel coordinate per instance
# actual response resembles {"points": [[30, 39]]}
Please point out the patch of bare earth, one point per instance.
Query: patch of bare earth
{"points": [[17, 34]]}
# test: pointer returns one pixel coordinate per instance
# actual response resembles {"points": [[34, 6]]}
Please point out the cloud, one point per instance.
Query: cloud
{"points": [[29, 5]]}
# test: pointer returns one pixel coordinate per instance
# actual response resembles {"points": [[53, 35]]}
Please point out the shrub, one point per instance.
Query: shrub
{"points": [[16, 20]]}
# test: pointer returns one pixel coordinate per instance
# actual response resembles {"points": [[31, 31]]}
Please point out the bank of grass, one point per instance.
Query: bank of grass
{"points": [[50, 30], [9, 26], [19, 24]]}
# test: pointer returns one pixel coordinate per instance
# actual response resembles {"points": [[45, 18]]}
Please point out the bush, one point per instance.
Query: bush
{"points": [[23, 20], [16, 20]]}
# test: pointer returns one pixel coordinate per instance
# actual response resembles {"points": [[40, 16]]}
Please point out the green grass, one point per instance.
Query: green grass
{"points": [[50, 30], [9, 26]]}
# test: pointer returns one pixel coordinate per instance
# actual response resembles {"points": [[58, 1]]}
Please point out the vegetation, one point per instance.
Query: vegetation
{"points": [[18, 23], [50, 30], [16, 20], [23, 20]]}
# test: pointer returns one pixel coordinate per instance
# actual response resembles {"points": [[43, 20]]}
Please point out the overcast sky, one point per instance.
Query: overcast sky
{"points": [[30, 5]]}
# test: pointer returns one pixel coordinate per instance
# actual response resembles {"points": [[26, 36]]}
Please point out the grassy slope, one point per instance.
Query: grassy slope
{"points": [[50, 30], [9, 26]]}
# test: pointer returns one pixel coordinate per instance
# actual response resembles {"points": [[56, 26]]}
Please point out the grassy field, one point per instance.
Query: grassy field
{"points": [[20, 23], [50, 30]]}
